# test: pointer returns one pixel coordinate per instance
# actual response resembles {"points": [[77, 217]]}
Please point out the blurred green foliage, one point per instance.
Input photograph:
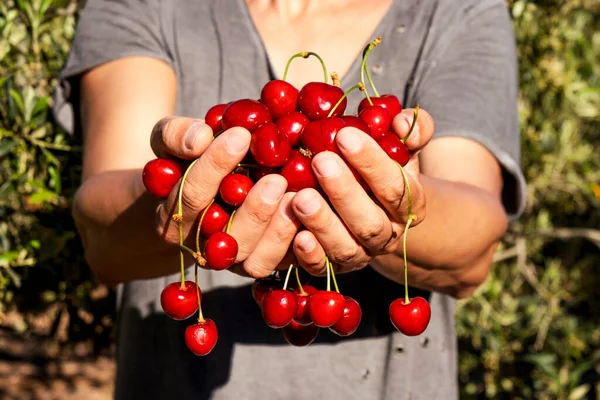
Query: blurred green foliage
{"points": [[530, 332]]}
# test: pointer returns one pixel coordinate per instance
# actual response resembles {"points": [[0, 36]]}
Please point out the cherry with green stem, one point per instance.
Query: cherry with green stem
{"points": [[178, 299], [279, 306], [303, 293], [387, 101], [220, 249], [326, 307], [409, 316]]}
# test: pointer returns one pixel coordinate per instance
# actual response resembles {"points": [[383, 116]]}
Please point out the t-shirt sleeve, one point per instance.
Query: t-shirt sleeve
{"points": [[469, 84], [107, 30]]}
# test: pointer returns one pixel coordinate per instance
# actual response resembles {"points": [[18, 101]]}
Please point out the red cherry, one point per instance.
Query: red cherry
{"points": [[299, 173], [302, 316], [378, 119], [261, 171], [246, 113], [412, 318], [213, 117], [234, 188], [268, 147], [326, 308], [279, 307], [319, 135], [356, 122], [220, 251], [394, 148], [300, 335], [180, 302], [348, 323], [292, 125], [214, 220], [316, 99], [387, 101], [280, 97], [262, 286], [201, 337], [160, 176]]}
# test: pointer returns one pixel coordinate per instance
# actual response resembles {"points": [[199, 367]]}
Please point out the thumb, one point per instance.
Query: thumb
{"points": [[184, 138], [422, 132]]}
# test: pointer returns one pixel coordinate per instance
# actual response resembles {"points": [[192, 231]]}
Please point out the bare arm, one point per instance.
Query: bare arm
{"points": [[451, 251], [121, 102]]}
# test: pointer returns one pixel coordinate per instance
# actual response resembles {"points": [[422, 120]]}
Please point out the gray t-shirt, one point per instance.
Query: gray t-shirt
{"points": [[456, 58]]}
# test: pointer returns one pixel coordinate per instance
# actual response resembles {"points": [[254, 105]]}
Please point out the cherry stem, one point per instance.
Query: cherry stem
{"points": [[298, 281], [359, 85], [411, 217], [200, 316], [200, 226], [406, 298], [337, 289], [192, 252], [306, 54], [179, 218], [287, 277], [364, 69], [412, 126], [229, 222], [328, 274]]}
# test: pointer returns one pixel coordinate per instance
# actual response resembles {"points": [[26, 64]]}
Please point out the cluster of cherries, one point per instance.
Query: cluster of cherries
{"points": [[288, 126]]}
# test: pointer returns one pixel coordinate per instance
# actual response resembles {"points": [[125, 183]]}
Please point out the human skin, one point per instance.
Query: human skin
{"points": [[456, 183]]}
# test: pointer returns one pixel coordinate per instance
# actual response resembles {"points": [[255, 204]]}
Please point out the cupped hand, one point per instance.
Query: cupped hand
{"points": [[355, 226], [263, 226]]}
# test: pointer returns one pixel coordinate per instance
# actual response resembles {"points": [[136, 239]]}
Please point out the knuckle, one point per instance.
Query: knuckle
{"points": [[261, 215], [346, 256], [193, 195], [255, 268], [218, 162], [371, 234]]}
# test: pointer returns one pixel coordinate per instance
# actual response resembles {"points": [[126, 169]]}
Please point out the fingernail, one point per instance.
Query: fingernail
{"points": [[272, 192], [349, 141], [309, 206], [191, 134], [327, 166], [237, 142], [306, 244]]}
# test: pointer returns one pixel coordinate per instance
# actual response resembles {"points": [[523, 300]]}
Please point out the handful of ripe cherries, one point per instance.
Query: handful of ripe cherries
{"points": [[288, 126]]}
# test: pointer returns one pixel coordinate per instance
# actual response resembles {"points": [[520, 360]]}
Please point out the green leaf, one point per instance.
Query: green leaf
{"points": [[42, 196], [545, 362], [18, 100], [55, 181], [6, 146], [7, 258]]}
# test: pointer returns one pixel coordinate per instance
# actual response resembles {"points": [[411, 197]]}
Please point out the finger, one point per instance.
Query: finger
{"points": [[421, 134], [382, 175], [309, 253], [185, 138], [272, 248], [368, 223], [341, 247], [252, 217], [202, 182]]}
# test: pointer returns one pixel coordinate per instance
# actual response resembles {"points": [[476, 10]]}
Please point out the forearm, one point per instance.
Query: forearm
{"points": [[451, 250], [113, 214]]}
